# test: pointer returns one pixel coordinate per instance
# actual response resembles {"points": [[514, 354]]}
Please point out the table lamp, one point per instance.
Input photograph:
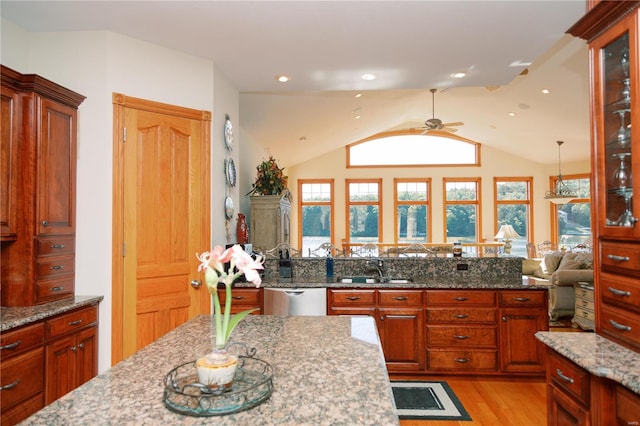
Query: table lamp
{"points": [[506, 233]]}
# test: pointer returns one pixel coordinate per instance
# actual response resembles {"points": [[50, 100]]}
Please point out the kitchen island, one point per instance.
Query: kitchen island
{"points": [[326, 371]]}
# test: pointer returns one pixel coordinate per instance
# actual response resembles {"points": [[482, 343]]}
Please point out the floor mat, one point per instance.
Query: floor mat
{"points": [[427, 400]]}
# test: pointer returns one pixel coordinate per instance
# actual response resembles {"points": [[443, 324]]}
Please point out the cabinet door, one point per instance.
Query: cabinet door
{"points": [[60, 371], [617, 146], [564, 411], [56, 168], [86, 355], [402, 335], [519, 350], [10, 128]]}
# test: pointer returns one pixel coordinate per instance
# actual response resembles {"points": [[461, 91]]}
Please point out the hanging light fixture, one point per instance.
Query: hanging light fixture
{"points": [[561, 194]]}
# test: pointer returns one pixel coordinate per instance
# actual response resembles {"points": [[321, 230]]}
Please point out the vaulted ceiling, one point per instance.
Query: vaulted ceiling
{"points": [[411, 46]]}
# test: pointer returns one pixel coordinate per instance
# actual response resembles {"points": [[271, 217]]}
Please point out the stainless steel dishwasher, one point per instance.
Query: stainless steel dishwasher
{"points": [[295, 301]]}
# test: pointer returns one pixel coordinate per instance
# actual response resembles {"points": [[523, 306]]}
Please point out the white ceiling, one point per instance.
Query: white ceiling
{"points": [[324, 46]]}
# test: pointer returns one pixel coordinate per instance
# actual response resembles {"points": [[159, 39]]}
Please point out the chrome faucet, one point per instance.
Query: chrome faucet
{"points": [[379, 265]]}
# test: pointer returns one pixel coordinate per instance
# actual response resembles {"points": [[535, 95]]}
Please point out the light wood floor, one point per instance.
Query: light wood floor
{"points": [[496, 403]]}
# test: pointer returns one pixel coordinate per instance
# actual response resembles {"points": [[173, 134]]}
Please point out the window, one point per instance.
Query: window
{"points": [[315, 226], [513, 206], [413, 212], [462, 209], [389, 149], [364, 207], [571, 223]]}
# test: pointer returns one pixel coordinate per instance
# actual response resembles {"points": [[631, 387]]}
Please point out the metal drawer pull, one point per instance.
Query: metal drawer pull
{"points": [[619, 292], [521, 299], [57, 246], [460, 337], [74, 348], [81, 345], [401, 298], [462, 360], [54, 289], [76, 322], [619, 326], [11, 345], [10, 385], [237, 297], [563, 377], [45, 223], [56, 267], [461, 316], [353, 298], [618, 258], [460, 299]]}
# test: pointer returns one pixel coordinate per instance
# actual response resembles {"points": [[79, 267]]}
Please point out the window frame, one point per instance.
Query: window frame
{"points": [[427, 203], [553, 215], [302, 204], [349, 203], [529, 202], [477, 202]]}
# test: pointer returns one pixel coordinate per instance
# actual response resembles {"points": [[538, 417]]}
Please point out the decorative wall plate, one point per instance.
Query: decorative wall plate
{"points": [[228, 208], [228, 133], [230, 172]]}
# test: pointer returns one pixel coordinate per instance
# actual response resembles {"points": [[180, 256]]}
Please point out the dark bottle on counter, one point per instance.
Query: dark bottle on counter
{"points": [[329, 266]]}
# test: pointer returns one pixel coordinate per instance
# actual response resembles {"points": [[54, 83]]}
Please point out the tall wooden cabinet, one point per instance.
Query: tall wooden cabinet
{"points": [[39, 196]]}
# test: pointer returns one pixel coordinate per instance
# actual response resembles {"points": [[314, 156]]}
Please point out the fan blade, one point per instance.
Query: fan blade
{"points": [[449, 129], [455, 123]]}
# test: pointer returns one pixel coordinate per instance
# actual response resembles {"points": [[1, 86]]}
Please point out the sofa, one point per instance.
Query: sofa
{"points": [[560, 271]]}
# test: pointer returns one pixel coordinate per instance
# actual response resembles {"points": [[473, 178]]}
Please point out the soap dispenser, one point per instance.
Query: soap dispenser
{"points": [[329, 265]]}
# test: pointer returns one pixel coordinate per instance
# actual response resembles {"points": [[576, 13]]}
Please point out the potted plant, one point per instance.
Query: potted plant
{"points": [[270, 179], [216, 368]]}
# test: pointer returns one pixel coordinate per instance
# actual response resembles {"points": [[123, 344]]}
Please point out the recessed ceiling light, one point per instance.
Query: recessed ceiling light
{"points": [[512, 114], [358, 95], [546, 91], [459, 74], [357, 117], [368, 77], [303, 138], [282, 78]]}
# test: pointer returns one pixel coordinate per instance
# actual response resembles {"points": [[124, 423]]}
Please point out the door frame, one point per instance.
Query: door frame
{"points": [[120, 103]]}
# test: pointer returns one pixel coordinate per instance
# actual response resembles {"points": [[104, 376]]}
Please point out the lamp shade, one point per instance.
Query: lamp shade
{"points": [[506, 232]]}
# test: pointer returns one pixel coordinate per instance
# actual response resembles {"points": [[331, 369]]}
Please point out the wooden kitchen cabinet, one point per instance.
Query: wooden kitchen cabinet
{"points": [[243, 299], [522, 314], [612, 29], [71, 351], [568, 393], [9, 162], [39, 253]]}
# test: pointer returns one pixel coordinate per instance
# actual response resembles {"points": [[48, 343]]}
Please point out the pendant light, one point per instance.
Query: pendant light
{"points": [[561, 194]]}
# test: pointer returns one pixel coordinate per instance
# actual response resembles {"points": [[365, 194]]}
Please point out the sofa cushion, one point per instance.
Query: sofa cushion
{"points": [[530, 266], [548, 265], [571, 261]]}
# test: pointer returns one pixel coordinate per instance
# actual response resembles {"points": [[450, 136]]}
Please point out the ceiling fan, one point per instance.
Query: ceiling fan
{"points": [[435, 123]]}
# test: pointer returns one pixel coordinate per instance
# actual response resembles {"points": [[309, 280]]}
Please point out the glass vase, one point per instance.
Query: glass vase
{"points": [[216, 368]]}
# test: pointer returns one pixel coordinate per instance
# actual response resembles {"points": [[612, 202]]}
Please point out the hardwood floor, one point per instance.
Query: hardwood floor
{"points": [[494, 403]]}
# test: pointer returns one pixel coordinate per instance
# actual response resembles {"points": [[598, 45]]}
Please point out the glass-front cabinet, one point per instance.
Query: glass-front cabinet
{"points": [[615, 89]]}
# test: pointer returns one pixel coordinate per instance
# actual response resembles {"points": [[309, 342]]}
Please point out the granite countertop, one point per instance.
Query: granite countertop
{"points": [[12, 317], [523, 284], [598, 355], [327, 371]]}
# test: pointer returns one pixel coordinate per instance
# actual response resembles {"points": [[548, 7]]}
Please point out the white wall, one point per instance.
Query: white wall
{"points": [[96, 64], [494, 163]]}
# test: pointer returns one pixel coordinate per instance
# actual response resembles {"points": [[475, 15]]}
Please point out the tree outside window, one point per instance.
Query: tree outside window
{"points": [[462, 209], [364, 204], [513, 206], [315, 213], [412, 210], [572, 222]]}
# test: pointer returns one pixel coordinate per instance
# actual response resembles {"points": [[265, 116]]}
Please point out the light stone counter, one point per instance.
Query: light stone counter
{"points": [[12, 317], [327, 371], [599, 356]]}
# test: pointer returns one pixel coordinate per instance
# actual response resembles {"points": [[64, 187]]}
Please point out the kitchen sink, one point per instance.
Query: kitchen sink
{"points": [[359, 279], [396, 280]]}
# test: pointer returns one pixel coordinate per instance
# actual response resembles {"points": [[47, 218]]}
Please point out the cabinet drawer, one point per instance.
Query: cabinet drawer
{"points": [[400, 297], [627, 406], [72, 321], [242, 296], [616, 257], [462, 360], [49, 267], [585, 314], [351, 297], [15, 342], [568, 377], [22, 377], [54, 289], [461, 336], [461, 315], [458, 297], [584, 304], [53, 246], [620, 326], [620, 291], [522, 298]]}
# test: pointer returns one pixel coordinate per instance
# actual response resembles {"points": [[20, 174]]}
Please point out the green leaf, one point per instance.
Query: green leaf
{"points": [[235, 320]]}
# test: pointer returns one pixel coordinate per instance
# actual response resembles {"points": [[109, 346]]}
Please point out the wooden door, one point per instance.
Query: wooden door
{"points": [[163, 172]]}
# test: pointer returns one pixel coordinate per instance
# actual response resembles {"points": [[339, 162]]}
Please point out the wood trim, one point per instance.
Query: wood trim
{"points": [[602, 16], [348, 204], [477, 202], [528, 202], [427, 203], [331, 205]]}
